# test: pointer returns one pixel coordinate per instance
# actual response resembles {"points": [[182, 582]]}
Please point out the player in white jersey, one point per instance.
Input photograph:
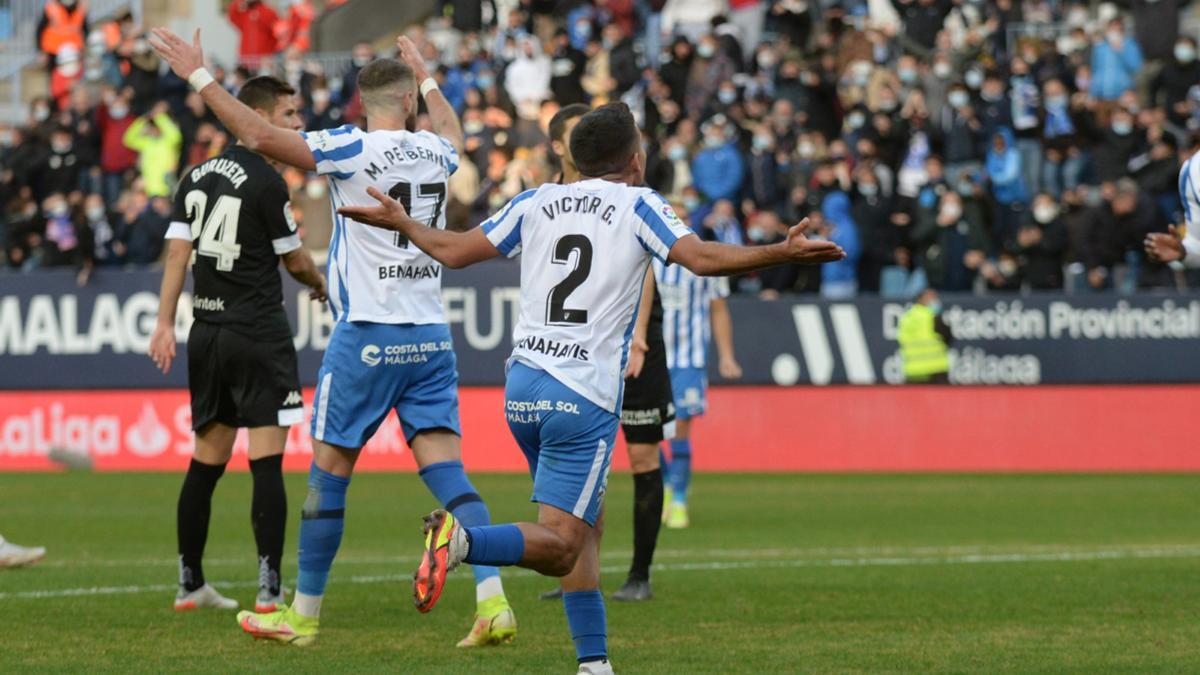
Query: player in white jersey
{"points": [[391, 347], [1175, 245], [694, 312], [586, 247]]}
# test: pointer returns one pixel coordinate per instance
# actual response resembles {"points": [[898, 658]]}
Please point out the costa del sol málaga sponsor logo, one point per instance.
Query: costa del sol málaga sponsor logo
{"points": [[370, 355]]}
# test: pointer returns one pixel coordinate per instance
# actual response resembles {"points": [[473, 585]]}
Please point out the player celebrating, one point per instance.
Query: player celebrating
{"points": [[691, 304], [234, 210], [1175, 246], [647, 411], [587, 247], [391, 347]]}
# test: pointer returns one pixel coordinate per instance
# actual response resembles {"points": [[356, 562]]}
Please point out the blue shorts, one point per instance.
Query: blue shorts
{"points": [[370, 369], [689, 386], [566, 438]]}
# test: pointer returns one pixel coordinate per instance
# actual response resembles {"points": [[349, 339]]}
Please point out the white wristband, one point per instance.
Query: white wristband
{"points": [[428, 85], [200, 78]]}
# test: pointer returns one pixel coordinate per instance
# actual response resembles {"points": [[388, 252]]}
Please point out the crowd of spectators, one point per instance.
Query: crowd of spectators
{"points": [[987, 146]]}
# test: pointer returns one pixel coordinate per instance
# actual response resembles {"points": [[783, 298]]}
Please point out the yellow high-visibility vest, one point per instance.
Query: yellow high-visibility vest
{"points": [[922, 350]]}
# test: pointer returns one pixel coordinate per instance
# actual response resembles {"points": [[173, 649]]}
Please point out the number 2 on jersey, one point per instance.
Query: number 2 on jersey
{"points": [[218, 232], [556, 313], [403, 193]]}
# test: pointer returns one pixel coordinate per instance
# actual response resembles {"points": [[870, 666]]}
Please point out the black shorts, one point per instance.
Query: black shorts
{"points": [[242, 382], [648, 410]]}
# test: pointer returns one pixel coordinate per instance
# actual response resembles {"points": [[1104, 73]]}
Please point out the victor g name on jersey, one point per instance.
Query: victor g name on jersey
{"points": [[585, 205]]}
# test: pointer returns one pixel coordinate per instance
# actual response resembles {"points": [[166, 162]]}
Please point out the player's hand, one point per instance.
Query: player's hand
{"points": [[637, 357], [162, 347], [802, 250], [1165, 247], [320, 292], [729, 368], [389, 215], [411, 56], [183, 58]]}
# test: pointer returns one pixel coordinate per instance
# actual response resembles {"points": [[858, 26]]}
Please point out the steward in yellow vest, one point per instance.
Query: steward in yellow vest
{"points": [[924, 341]]}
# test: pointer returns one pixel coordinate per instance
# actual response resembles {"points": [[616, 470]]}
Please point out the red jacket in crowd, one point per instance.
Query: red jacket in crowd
{"points": [[256, 21], [115, 157]]}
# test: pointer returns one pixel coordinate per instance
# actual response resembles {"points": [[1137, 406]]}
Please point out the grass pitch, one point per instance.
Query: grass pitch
{"points": [[778, 573]]}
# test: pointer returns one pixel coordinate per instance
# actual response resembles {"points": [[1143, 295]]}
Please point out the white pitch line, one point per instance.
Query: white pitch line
{"points": [[968, 559]]}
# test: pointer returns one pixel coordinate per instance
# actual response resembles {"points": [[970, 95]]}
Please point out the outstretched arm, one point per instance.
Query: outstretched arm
{"points": [[250, 128], [710, 258], [452, 249], [441, 113]]}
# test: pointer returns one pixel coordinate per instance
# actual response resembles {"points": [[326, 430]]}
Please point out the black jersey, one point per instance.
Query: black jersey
{"points": [[236, 209]]}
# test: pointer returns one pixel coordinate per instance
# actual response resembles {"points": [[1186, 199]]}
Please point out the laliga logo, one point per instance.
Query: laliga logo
{"points": [[147, 437], [370, 355]]}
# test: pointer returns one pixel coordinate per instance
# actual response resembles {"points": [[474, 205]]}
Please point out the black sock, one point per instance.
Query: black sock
{"points": [[191, 520], [268, 515], [647, 518]]}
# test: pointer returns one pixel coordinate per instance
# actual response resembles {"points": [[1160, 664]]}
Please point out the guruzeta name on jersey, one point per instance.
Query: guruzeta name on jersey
{"points": [[561, 350]]}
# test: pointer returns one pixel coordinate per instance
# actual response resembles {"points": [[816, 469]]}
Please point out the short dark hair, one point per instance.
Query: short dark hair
{"points": [[263, 92], [558, 123], [382, 73], [604, 140]]}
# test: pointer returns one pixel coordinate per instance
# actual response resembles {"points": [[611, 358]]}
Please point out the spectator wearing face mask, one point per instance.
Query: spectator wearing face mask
{"points": [[1114, 234], [63, 241], [99, 224], [1065, 125], [710, 68], [60, 169], [764, 186], [116, 159], [140, 239], [1156, 28], [718, 169], [1042, 245], [951, 247], [362, 54], [721, 224], [1005, 173], [880, 239], [959, 132], [323, 114], [1178, 75], [1117, 144], [1116, 59], [566, 66]]}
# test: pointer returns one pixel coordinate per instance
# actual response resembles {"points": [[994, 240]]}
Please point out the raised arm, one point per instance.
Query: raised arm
{"points": [[250, 128], [710, 258], [441, 113], [452, 249]]}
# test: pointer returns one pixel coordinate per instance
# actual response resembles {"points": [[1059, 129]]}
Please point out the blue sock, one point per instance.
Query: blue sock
{"points": [[449, 484], [681, 469], [495, 545], [664, 465], [322, 521], [585, 616]]}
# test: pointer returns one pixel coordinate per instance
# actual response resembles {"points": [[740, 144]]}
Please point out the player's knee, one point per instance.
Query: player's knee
{"points": [[643, 457]]}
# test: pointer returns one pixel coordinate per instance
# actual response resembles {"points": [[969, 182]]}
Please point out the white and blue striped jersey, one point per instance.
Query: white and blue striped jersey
{"points": [[686, 300], [376, 275], [585, 248]]}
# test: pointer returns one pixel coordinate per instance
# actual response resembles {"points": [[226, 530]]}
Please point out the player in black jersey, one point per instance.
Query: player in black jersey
{"points": [[648, 409], [233, 210]]}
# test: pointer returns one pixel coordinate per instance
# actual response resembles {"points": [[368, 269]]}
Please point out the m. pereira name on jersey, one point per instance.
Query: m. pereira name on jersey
{"points": [[559, 350], [403, 152], [410, 271]]}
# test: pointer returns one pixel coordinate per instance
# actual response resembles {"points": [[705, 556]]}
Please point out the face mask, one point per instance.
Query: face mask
{"points": [[677, 153], [761, 143], [1045, 214], [965, 188], [1056, 101], [907, 75], [727, 96], [714, 141], [473, 127], [6, 139], [952, 212], [315, 189], [1185, 53], [706, 50], [691, 203], [868, 189], [1114, 37], [806, 149], [958, 99], [320, 96], [118, 112], [935, 307], [41, 114], [974, 79], [1082, 82], [61, 148], [887, 105], [766, 60], [361, 61], [58, 210], [856, 120], [1122, 128], [583, 29], [483, 81], [95, 213], [756, 235], [942, 69], [991, 96]]}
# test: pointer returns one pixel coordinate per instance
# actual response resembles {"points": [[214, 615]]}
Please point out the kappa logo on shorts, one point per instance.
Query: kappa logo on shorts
{"points": [[293, 398], [691, 396], [370, 355]]}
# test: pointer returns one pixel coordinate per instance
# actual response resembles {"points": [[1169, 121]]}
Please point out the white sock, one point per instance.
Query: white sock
{"points": [[307, 605], [488, 588]]}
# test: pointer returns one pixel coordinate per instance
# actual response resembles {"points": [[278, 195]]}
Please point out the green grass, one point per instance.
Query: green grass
{"points": [[862, 573]]}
